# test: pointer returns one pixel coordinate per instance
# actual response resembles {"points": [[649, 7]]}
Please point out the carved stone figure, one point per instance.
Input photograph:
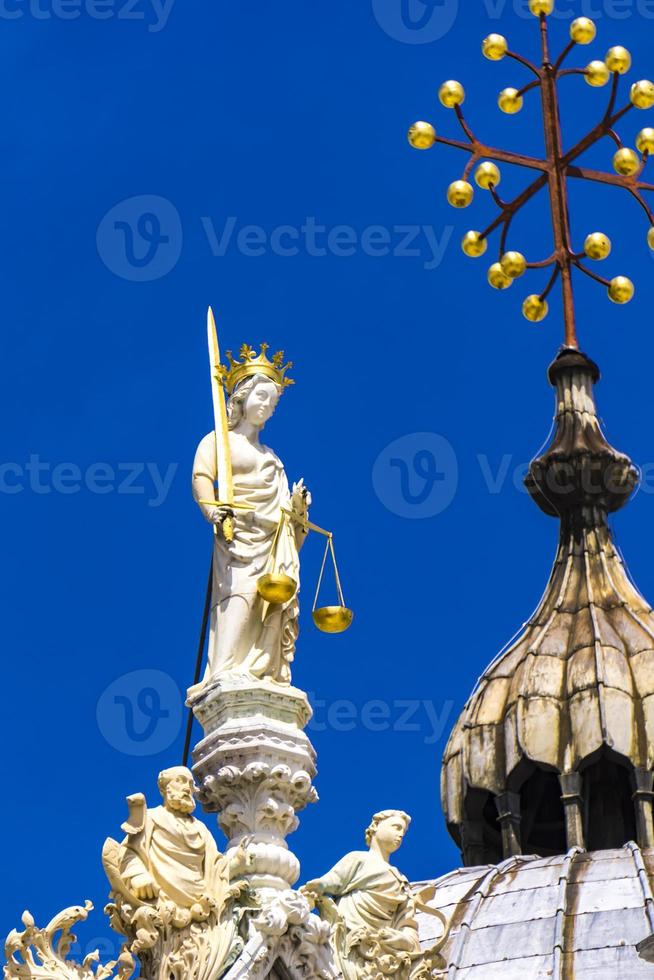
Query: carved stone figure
{"points": [[247, 634], [170, 886], [373, 908], [286, 934]]}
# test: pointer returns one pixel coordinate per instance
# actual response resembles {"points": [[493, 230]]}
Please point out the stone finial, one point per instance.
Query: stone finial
{"points": [[579, 470]]}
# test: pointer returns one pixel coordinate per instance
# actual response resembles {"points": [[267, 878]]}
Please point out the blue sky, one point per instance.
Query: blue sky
{"points": [[252, 155]]}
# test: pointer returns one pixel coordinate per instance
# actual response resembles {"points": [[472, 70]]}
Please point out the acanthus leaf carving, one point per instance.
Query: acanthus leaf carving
{"points": [[41, 953]]}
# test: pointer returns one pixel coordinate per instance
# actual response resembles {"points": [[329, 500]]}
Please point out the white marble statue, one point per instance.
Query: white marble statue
{"points": [[373, 907], [248, 635], [170, 855], [171, 886]]}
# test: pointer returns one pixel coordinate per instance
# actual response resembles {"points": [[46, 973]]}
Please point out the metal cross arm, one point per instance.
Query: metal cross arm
{"points": [[554, 170]]}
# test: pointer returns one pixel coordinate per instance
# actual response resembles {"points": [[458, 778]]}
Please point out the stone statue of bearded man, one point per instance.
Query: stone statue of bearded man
{"points": [[171, 893], [170, 856]]}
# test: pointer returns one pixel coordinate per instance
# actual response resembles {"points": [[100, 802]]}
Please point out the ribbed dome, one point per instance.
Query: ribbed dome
{"points": [[563, 722], [576, 915]]}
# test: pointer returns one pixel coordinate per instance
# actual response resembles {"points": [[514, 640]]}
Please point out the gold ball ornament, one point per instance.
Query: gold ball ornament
{"points": [[451, 94], [621, 290], [514, 264], [510, 101], [583, 30], [535, 309], [642, 94], [422, 136], [597, 246], [473, 244], [487, 175], [460, 194], [494, 47], [497, 277], [618, 60], [626, 162], [645, 141], [597, 74], [650, 238], [538, 7]]}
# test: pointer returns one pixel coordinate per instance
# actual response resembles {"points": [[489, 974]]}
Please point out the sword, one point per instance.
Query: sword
{"points": [[223, 458]]}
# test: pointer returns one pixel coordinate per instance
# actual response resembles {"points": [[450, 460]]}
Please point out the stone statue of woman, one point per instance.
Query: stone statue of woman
{"points": [[376, 933], [249, 636]]}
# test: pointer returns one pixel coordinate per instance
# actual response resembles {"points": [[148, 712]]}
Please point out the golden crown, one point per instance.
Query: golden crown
{"points": [[251, 364]]}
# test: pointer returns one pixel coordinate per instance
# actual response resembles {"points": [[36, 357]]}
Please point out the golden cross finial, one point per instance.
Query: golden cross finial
{"points": [[558, 166]]}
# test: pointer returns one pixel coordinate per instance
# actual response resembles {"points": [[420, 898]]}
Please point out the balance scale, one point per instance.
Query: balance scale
{"points": [[278, 588]]}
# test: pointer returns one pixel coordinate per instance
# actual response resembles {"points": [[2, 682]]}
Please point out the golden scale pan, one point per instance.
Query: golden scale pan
{"points": [[277, 588]]}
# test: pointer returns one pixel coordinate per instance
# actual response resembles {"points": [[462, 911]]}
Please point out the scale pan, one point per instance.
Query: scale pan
{"points": [[333, 619], [276, 589]]}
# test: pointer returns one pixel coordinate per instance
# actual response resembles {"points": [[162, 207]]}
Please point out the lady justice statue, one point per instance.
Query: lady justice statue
{"points": [[258, 522]]}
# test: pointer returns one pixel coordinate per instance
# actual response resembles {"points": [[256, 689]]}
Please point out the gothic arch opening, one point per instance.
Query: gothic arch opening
{"points": [[609, 812], [480, 835], [543, 818]]}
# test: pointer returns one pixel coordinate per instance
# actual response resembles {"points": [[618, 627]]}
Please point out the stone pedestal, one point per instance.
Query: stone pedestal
{"points": [[255, 767]]}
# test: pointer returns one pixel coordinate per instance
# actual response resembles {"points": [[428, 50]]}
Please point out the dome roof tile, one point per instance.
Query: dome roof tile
{"points": [[580, 914]]}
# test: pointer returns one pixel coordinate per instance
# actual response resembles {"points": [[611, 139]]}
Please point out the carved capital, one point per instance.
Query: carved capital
{"points": [[255, 768]]}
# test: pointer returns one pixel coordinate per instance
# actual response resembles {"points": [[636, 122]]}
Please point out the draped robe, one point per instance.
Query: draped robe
{"points": [[181, 856], [249, 635], [374, 901]]}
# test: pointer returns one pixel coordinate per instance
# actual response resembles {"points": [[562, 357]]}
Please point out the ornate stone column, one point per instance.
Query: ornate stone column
{"points": [[255, 767]]}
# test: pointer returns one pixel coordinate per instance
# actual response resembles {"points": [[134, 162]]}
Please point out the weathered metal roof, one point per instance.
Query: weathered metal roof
{"points": [[580, 915], [580, 676]]}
